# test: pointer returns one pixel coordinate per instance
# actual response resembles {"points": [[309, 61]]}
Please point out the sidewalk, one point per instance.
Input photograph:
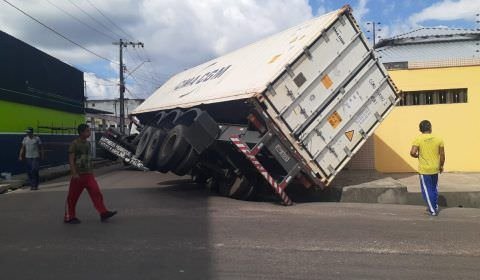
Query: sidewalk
{"points": [[46, 174], [361, 186], [455, 189]]}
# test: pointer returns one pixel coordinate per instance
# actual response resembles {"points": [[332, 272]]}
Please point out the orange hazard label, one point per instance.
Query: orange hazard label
{"points": [[349, 135], [327, 82], [275, 57], [335, 119]]}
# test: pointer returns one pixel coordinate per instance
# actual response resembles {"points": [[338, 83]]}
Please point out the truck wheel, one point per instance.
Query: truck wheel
{"points": [[156, 140], [212, 185], [240, 188], [187, 163], [144, 139], [199, 176], [174, 148], [248, 192], [225, 186]]}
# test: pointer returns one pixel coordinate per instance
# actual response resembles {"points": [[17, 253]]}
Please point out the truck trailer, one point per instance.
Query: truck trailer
{"points": [[295, 106]]}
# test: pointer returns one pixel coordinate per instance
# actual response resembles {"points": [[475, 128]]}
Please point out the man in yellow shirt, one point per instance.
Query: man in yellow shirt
{"points": [[429, 150]]}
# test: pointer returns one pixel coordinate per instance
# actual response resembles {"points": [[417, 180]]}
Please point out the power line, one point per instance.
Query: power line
{"points": [[94, 19], [149, 68], [155, 71], [132, 94], [148, 83], [105, 85], [109, 20], [58, 33], [81, 21], [147, 88], [143, 78], [142, 85], [140, 60]]}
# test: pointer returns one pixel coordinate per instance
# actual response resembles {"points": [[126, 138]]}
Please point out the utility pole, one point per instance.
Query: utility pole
{"points": [[477, 21], [374, 30], [123, 44], [85, 95]]}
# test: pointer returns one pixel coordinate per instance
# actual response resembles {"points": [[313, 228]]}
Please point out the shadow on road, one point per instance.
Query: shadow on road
{"points": [[159, 233]]}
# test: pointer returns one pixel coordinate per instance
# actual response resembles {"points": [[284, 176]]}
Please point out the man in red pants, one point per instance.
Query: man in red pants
{"points": [[82, 177]]}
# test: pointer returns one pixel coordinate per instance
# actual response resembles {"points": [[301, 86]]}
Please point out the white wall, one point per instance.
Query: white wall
{"points": [[113, 106]]}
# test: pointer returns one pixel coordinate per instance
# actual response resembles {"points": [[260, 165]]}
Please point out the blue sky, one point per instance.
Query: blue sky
{"points": [[394, 11], [395, 14], [179, 34]]}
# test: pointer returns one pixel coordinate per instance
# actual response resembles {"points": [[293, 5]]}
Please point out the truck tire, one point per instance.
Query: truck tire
{"points": [[143, 142], [174, 148], [187, 163], [248, 192], [238, 188], [156, 140], [200, 176]]}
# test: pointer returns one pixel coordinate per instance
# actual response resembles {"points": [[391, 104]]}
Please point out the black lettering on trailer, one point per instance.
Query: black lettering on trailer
{"points": [[221, 72], [202, 79], [209, 75], [217, 73]]}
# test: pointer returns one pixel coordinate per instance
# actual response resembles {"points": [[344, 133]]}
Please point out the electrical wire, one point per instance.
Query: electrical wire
{"points": [[109, 20], [147, 74], [99, 84], [132, 94], [149, 69], [94, 19], [59, 34], [81, 21]]}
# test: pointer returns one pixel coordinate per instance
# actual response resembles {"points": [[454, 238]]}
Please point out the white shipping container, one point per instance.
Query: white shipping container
{"points": [[319, 82]]}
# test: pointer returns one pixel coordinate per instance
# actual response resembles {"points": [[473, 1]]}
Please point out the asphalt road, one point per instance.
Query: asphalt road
{"points": [[168, 228]]}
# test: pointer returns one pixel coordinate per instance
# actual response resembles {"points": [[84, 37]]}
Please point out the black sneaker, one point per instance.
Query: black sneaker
{"points": [[107, 215], [72, 221]]}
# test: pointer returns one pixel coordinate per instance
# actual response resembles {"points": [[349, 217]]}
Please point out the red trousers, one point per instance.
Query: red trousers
{"points": [[76, 187]]}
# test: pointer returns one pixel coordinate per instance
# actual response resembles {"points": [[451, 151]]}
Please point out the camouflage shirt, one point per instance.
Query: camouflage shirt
{"points": [[83, 159]]}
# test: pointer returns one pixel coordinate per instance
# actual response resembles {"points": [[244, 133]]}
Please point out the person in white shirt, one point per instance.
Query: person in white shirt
{"points": [[31, 151]]}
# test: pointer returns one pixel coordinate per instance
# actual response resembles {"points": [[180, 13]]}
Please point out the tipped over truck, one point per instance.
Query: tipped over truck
{"points": [[295, 106]]}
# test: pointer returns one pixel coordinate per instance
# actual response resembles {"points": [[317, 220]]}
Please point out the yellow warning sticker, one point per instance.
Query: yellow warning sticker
{"points": [[275, 57], [349, 135], [335, 119], [327, 82]]}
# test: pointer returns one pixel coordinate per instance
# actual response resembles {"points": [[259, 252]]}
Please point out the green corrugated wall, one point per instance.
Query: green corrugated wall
{"points": [[15, 117]]}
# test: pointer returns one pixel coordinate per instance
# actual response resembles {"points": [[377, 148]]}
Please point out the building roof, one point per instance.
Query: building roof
{"points": [[114, 100], [432, 32], [96, 111], [431, 44]]}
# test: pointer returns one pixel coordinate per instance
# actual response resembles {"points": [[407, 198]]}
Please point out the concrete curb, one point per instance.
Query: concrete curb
{"points": [[383, 195], [45, 175], [390, 191], [450, 199], [386, 190]]}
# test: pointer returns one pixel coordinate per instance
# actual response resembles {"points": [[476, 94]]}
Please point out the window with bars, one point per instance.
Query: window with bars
{"points": [[432, 97]]}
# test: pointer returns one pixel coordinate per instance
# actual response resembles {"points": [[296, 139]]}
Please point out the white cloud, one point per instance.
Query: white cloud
{"points": [[97, 88], [447, 10], [321, 8], [361, 10], [176, 34]]}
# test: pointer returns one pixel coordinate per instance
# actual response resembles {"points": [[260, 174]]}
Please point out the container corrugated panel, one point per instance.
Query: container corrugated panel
{"points": [[241, 74], [330, 100], [319, 82]]}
